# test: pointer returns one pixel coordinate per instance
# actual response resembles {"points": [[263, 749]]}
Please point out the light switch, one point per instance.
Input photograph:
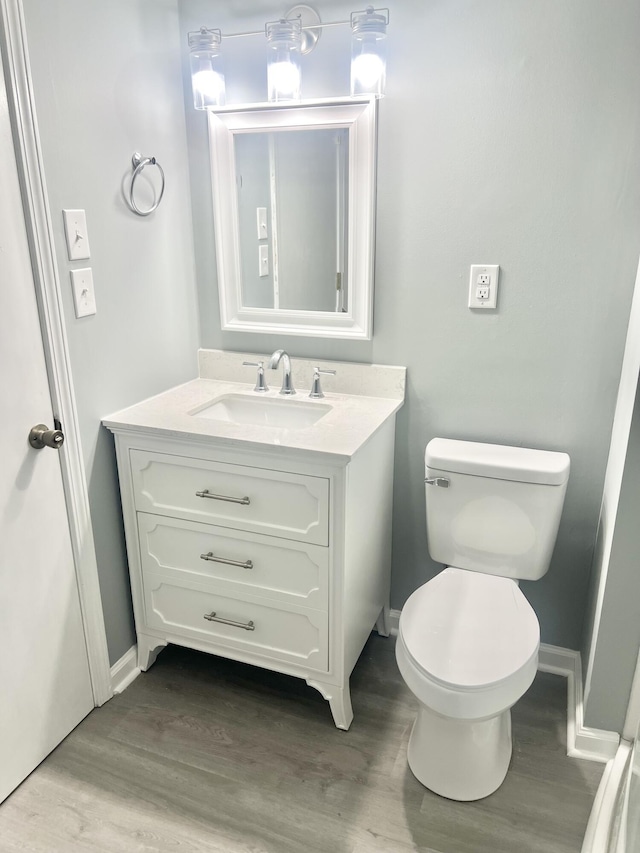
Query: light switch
{"points": [[75, 227], [261, 215], [263, 261], [84, 297]]}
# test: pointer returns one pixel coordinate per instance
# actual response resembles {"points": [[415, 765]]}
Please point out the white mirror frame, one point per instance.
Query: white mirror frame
{"points": [[358, 115]]}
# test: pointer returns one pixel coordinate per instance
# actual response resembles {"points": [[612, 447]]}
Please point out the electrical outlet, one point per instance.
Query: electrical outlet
{"points": [[483, 285]]}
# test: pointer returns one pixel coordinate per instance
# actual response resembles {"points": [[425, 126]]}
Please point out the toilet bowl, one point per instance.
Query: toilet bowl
{"points": [[468, 639], [467, 648]]}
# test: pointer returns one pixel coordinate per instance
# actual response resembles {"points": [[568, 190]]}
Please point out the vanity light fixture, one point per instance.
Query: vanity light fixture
{"points": [[296, 34], [207, 79], [368, 51], [284, 40]]}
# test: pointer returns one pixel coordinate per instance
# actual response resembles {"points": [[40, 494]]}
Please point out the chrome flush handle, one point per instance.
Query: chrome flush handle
{"points": [[437, 481]]}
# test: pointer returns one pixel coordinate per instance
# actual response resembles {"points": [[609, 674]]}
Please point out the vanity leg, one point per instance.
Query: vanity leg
{"points": [[148, 650], [383, 626], [339, 699]]}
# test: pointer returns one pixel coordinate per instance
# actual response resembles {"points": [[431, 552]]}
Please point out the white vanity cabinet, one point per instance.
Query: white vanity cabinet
{"points": [[277, 557]]}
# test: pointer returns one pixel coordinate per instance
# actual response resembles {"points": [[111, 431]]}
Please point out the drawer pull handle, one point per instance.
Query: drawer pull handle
{"points": [[247, 564], [211, 617], [205, 493]]}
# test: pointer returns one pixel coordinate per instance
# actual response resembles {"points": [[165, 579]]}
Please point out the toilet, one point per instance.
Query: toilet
{"points": [[468, 639]]}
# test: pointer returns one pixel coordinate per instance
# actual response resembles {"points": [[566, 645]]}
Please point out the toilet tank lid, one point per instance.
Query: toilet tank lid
{"points": [[521, 464]]}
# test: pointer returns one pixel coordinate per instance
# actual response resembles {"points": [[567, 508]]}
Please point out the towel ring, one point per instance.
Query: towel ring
{"points": [[139, 162]]}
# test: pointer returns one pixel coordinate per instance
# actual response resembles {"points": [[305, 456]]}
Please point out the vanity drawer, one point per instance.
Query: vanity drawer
{"points": [[280, 632], [292, 506], [243, 563]]}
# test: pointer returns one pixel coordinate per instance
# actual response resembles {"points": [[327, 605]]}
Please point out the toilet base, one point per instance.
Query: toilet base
{"points": [[460, 759]]}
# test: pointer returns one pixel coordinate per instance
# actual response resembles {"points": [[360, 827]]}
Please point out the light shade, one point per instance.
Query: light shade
{"points": [[368, 52], [207, 79], [284, 40]]}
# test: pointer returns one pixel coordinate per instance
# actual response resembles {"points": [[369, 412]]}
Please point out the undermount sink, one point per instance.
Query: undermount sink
{"points": [[265, 411]]}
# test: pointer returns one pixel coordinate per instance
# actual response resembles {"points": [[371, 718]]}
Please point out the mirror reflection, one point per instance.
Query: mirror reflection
{"points": [[292, 197]]}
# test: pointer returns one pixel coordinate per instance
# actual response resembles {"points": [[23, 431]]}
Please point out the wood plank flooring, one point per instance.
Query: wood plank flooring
{"points": [[204, 754]]}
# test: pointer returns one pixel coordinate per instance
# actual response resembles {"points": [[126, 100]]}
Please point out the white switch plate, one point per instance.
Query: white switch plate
{"points": [[84, 297], [261, 216], [75, 229], [483, 285], [263, 261]]}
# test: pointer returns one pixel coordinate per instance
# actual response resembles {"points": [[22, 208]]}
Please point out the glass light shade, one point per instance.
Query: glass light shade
{"points": [[284, 40], [368, 52], [207, 78]]}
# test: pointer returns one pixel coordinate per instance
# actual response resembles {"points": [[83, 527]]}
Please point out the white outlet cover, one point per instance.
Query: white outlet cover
{"points": [[477, 270], [75, 229], [84, 298]]}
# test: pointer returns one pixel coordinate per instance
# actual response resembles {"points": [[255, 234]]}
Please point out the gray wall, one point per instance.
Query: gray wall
{"points": [[618, 637], [510, 134], [107, 83]]}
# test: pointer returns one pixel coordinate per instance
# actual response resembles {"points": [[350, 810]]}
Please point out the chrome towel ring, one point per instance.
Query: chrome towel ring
{"points": [[139, 162]]}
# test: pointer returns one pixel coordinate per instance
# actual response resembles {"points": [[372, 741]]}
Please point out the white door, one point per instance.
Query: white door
{"points": [[45, 686]]}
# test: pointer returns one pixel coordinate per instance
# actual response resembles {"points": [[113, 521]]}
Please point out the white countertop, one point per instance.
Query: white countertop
{"points": [[352, 420]]}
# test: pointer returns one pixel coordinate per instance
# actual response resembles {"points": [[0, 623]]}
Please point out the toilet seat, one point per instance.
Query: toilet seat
{"points": [[468, 643]]}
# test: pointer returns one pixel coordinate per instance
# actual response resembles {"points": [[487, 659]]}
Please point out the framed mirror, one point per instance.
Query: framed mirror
{"points": [[294, 213]]}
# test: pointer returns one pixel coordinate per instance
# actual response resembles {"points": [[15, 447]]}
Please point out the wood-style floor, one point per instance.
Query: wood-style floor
{"points": [[204, 754]]}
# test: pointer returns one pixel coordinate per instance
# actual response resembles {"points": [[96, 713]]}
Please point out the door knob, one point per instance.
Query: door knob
{"points": [[41, 436]]}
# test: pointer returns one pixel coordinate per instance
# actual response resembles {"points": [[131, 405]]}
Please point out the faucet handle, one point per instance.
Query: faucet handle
{"points": [[261, 382], [316, 389]]}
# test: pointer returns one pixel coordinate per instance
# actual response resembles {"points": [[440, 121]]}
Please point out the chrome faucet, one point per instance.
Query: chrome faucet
{"points": [[287, 382]]}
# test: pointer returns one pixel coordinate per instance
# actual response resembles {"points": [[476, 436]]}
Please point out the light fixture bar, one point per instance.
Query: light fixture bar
{"points": [[319, 26], [304, 29]]}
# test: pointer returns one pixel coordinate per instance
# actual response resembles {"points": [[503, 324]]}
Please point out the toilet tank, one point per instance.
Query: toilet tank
{"points": [[494, 509]]}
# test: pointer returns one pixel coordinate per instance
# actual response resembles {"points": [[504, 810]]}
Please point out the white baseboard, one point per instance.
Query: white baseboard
{"points": [[394, 621], [125, 670], [582, 741]]}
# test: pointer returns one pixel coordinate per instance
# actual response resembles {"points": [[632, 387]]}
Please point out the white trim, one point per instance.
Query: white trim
{"points": [[599, 833], [582, 742], [125, 671], [632, 719], [615, 470], [359, 115], [394, 622], [47, 285]]}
